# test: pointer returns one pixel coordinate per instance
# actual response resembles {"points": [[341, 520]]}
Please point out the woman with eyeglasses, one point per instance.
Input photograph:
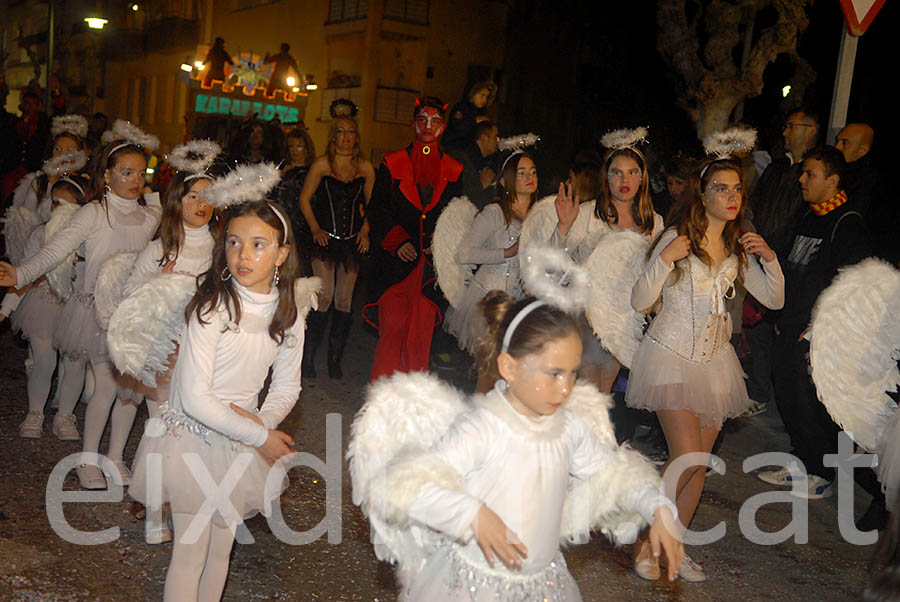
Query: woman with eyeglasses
{"points": [[685, 368]]}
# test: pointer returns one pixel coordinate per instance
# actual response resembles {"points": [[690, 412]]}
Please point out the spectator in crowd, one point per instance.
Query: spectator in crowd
{"points": [[864, 184], [478, 183], [831, 233]]}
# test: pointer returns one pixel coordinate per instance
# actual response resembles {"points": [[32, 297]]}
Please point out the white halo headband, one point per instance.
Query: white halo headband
{"points": [[722, 145], [281, 218], [517, 319], [66, 178], [194, 157], [518, 144], [72, 124], [624, 138], [128, 133]]}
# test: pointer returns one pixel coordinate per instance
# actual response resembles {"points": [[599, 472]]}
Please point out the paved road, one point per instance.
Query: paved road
{"points": [[36, 564]]}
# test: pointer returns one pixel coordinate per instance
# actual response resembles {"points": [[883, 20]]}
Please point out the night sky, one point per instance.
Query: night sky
{"points": [[574, 71]]}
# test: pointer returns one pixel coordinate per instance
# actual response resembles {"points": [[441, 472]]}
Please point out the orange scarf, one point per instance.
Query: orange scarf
{"points": [[826, 207]]}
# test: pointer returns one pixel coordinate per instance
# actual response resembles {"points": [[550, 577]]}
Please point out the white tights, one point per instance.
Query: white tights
{"points": [[198, 570], [97, 412], [41, 376]]}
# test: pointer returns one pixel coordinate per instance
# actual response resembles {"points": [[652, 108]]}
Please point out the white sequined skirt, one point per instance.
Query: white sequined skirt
{"points": [[37, 313], [175, 457], [448, 577], [662, 380]]}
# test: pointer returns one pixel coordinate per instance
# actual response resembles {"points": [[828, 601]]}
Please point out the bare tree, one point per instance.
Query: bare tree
{"points": [[713, 78]]}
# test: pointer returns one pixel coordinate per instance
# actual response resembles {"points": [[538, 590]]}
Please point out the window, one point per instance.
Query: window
{"points": [[347, 10], [394, 105], [412, 11]]}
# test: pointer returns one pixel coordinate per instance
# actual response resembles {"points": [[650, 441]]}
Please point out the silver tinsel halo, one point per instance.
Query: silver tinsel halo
{"points": [[127, 131], [517, 142], [194, 157], [69, 162], [69, 124], [247, 183], [624, 138], [722, 145], [552, 276]]}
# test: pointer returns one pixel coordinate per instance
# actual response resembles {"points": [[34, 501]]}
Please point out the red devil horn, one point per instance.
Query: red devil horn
{"points": [[418, 102], [444, 108]]}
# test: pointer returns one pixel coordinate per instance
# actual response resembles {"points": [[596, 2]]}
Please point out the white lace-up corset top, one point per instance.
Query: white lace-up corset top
{"points": [[693, 321]]}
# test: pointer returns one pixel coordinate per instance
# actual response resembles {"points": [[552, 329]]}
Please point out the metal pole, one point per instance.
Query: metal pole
{"points": [[843, 79], [48, 99]]}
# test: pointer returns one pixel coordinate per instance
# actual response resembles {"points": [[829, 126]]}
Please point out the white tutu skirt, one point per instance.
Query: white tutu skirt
{"points": [[77, 333], [182, 454], [448, 577], [663, 380], [466, 322], [37, 314]]}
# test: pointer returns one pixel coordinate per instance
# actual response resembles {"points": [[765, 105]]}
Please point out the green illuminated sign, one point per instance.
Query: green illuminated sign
{"points": [[222, 105]]}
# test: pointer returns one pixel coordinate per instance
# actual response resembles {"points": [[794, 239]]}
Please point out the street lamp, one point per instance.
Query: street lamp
{"points": [[95, 22], [291, 82], [199, 65], [186, 67]]}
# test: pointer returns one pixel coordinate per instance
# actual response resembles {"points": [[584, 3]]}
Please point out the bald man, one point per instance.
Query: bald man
{"points": [[863, 182], [855, 141]]}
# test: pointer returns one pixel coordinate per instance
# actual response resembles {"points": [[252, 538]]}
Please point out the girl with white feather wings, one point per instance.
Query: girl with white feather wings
{"points": [[610, 328], [472, 499], [247, 316], [490, 241], [685, 368], [35, 311], [118, 220]]}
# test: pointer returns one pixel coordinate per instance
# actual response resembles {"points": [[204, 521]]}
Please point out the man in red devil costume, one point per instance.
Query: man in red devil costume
{"points": [[412, 187]]}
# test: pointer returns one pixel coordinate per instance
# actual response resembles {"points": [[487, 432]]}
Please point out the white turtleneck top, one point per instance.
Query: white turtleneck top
{"points": [[194, 257], [221, 362], [128, 228]]}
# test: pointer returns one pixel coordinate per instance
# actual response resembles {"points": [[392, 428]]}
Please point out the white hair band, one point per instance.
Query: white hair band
{"points": [[517, 319]]}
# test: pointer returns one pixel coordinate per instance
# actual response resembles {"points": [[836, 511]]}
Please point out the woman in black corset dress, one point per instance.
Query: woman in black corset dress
{"points": [[333, 201]]}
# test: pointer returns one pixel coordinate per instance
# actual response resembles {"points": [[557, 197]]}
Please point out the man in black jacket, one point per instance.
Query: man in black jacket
{"points": [[830, 234]]}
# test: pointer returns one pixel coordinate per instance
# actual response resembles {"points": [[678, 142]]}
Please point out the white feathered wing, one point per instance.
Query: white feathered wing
{"points": [[61, 278], [109, 290], [144, 327], [855, 335], [19, 222], [451, 228], [539, 224], [404, 414], [615, 265]]}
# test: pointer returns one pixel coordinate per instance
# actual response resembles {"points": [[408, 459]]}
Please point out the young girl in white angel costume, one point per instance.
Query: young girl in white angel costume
{"points": [[35, 311], [583, 227], [247, 316], [118, 220], [490, 241], [473, 499]]}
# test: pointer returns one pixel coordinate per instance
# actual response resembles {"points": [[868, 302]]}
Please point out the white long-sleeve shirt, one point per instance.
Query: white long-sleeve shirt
{"points": [[128, 227], [221, 363], [194, 257]]}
